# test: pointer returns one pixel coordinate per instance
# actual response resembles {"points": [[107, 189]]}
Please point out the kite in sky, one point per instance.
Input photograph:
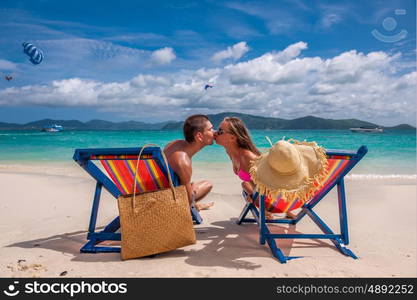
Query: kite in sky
{"points": [[35, 55]]}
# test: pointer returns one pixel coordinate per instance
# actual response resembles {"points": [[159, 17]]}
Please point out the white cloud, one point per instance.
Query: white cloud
{"points": [[7, 65], [373, 86], [273, 67], [235, 52], [278, 19], [82, 58], [163, 56], [328, 20], [145, 80], [332, 14], [290, 52], [322, 89]]}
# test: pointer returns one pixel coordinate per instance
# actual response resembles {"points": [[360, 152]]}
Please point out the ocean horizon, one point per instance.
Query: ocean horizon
{"points": [[391, 154]]}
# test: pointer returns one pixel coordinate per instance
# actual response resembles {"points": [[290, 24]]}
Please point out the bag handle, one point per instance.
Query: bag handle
{"points": [[269, 140], [166, 164]]}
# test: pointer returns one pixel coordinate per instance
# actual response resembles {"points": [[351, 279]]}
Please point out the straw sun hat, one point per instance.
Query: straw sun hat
{"points": [[291, 168]]}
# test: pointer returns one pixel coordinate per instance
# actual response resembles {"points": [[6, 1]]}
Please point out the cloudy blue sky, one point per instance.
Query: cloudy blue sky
{"points": [[150, 60]]}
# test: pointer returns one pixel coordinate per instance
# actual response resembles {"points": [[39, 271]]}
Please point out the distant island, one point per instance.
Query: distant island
{"points": [[252, 121]]}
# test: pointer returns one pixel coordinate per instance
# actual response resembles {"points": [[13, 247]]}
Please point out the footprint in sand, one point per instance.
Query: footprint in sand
{"points": [[22, 269]]}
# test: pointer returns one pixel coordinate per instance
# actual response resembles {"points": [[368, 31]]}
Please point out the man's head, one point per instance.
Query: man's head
{"points": [[198, 128]]}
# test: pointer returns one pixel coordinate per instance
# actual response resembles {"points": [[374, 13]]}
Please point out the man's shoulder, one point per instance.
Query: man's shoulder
{"points": [[179, 160], [177, 145], [180, 156], [176, 154]]}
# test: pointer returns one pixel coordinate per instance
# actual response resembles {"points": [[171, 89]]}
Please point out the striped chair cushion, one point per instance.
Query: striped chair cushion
{"points": [[336, 165], [149, 176]]}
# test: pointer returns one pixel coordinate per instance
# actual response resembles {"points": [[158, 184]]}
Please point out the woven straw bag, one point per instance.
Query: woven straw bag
{"points": [[155, 222]]}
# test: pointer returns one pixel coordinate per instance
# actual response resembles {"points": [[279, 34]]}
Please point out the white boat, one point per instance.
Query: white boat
{"points": [[363, 129], [52, 128]]}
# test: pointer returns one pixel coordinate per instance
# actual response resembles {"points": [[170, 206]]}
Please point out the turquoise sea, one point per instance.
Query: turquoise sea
{"points": [[391, 153]]}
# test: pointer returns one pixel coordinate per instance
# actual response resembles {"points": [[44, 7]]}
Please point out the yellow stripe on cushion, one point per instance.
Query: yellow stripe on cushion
{"points": [[118, 176], [132, 166], [155, 175], [290, 204], [334, 168]]}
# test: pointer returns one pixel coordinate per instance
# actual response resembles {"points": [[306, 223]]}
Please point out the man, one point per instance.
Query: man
{"points": [[198, 133]]}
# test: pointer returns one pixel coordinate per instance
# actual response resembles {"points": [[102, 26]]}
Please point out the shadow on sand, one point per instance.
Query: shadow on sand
{"points": [[223, 244]]}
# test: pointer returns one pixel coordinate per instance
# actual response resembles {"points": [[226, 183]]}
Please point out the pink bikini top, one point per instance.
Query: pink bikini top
{"points": [[244, 176]]}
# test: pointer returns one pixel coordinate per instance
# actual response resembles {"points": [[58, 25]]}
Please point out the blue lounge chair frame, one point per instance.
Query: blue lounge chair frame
{"points": [[83, 158], [339, 240]]}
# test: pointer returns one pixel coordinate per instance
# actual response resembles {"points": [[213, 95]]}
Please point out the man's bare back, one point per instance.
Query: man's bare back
{"points": [[198, 133], [179, 158]]}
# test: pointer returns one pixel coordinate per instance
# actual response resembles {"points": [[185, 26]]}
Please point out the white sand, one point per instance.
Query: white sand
{"points": [[45, 213]]}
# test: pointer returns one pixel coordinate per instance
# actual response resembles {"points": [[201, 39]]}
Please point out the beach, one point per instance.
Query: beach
{"points": [[85, 85], [45, 210]]}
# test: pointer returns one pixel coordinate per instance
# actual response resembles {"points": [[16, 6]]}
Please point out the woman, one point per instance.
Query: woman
{"points": [[233, 135]]}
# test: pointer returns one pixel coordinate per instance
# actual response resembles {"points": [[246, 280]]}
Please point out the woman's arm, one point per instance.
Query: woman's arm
{"points": [[246, 158], [248, 187]]}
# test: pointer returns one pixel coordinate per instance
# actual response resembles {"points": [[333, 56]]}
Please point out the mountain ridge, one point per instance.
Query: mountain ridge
{"points": [[251, 121]]}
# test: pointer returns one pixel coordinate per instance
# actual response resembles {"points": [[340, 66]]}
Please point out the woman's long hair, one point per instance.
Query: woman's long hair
{"points": [[238, 129]]}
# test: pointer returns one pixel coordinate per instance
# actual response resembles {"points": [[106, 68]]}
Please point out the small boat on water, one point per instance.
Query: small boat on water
{"points": [[52, 128], [365, 129]]}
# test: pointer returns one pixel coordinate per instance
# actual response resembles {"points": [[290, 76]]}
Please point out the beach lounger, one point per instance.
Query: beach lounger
{"points": [[340, 163], [116, 176]]}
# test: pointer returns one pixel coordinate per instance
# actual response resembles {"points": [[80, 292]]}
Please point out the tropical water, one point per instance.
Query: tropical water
{"points": [[392, 153]]}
